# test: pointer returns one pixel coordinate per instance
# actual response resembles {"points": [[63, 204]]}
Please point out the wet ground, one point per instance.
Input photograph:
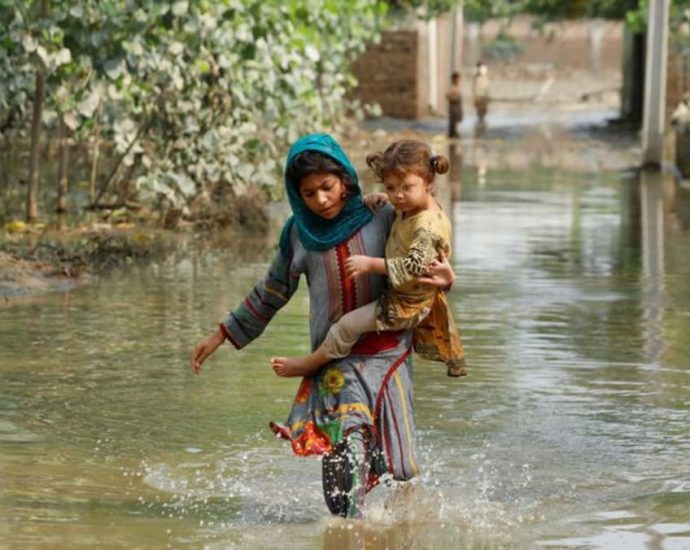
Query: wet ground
{"points": [[573, 296]]}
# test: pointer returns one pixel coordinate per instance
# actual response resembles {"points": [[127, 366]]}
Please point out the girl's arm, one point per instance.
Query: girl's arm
{"points": [[433, 270], [421, 254], [359, 265], [251, 317], [438, 273]]}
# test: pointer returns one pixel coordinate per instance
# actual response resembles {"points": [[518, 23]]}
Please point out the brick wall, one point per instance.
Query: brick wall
{"points": [[388, 74]]}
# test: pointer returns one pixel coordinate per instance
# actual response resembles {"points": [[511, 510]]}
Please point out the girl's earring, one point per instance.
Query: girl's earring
{"points": [[343, 196]]}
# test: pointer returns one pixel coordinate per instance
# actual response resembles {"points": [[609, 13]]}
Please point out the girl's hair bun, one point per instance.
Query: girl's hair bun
{"points": [[375, 161], [440, 164]]}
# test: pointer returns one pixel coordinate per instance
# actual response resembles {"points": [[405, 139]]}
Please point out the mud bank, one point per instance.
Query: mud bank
{"points": [[20, 278], [46, 258], [59, 260]]}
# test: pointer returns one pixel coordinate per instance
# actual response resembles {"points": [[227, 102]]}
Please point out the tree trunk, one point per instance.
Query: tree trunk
{"points": [[14, 138], [95, 154], [62, 169], [6, 158], [32, 196], [6, 163], [39, 92], [119, 161], [9, 169]]}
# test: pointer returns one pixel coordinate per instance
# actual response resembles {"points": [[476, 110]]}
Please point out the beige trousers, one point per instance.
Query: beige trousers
{"points": [[345, 333]]}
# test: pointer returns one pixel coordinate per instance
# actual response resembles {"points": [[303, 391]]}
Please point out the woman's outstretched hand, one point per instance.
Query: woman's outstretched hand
{"points": [[439, 273], [205, 348]]}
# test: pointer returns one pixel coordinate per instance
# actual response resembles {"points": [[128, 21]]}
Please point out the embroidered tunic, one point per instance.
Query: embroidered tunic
{"points": [[371, 389]]}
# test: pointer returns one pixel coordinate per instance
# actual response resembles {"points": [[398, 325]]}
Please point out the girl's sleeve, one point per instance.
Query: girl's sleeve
{"points": [[251, 317], [422, 252]]}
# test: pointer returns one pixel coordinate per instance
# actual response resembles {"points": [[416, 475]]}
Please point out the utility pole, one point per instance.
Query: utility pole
{"points": [[457, 35], [655, 83], [432, 33]]}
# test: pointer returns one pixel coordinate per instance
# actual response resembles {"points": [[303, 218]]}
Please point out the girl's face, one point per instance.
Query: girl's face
{"points": [[408, 193], [324, 194]]}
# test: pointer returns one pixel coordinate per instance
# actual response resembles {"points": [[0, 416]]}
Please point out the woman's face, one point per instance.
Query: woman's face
{"points": [[324, 194]]}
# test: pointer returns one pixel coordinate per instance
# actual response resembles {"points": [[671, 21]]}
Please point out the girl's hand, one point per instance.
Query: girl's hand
{"points": [[374, 201], [439, 273], [357, 265], [205, 348]]}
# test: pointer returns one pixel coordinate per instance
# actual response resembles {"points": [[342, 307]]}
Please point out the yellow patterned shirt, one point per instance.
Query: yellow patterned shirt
{"points": [[413, 243]]}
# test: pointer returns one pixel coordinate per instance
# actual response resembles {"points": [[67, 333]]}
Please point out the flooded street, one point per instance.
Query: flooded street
{"points": [[572, 431]]}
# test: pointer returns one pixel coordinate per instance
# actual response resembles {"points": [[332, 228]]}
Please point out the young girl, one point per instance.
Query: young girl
{"points": [[420, 233]]}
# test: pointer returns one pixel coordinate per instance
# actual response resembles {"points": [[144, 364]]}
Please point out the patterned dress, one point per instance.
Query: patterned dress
{"points": [[370, 391]]}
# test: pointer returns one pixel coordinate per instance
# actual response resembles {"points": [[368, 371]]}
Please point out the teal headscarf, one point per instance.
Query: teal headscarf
{"points": [[314, 232]]}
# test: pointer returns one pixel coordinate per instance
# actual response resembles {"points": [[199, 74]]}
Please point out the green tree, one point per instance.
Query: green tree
{"points": [[190, 96]]}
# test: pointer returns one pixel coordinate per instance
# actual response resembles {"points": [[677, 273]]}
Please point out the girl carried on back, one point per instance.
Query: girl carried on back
{"points": [[420, 234]]}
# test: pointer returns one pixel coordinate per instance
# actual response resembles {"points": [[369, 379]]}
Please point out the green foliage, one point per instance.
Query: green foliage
{"points": [[427, 9], [679, 23], [556, 9], [502, 48], [201, 95], [195, 94], [482, 10], [612, 9], [549, 10]]}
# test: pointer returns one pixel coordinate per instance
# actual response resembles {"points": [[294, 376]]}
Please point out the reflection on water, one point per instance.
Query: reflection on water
{"points": [[572, 431], [652, 222]]}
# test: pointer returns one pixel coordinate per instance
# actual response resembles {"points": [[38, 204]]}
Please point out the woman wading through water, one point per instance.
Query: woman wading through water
{"points": [[356, 411]]}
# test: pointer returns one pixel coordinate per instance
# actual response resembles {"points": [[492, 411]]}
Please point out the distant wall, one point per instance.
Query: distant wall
{"points": [[397, 73], [388, 74], [402, 74], [590, 45], [677, 80]]}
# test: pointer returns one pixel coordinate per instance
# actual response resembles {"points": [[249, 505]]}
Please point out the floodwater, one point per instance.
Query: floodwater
{"points": [[573, 430]]}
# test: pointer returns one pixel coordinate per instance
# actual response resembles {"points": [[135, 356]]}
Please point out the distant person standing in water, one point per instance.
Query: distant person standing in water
{"points": [[454, 97], [480, 92]]}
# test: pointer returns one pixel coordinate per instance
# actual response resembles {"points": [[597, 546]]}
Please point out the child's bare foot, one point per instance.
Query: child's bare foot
{"points": [[299, 366], [289, 366]]}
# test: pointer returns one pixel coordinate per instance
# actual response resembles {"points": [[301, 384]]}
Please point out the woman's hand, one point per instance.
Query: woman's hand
{"points": [[439, 273], [374, 201], [205, 348]]}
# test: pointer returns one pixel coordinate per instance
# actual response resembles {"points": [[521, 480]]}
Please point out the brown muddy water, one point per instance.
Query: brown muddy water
{"points": [[573, 430]]}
